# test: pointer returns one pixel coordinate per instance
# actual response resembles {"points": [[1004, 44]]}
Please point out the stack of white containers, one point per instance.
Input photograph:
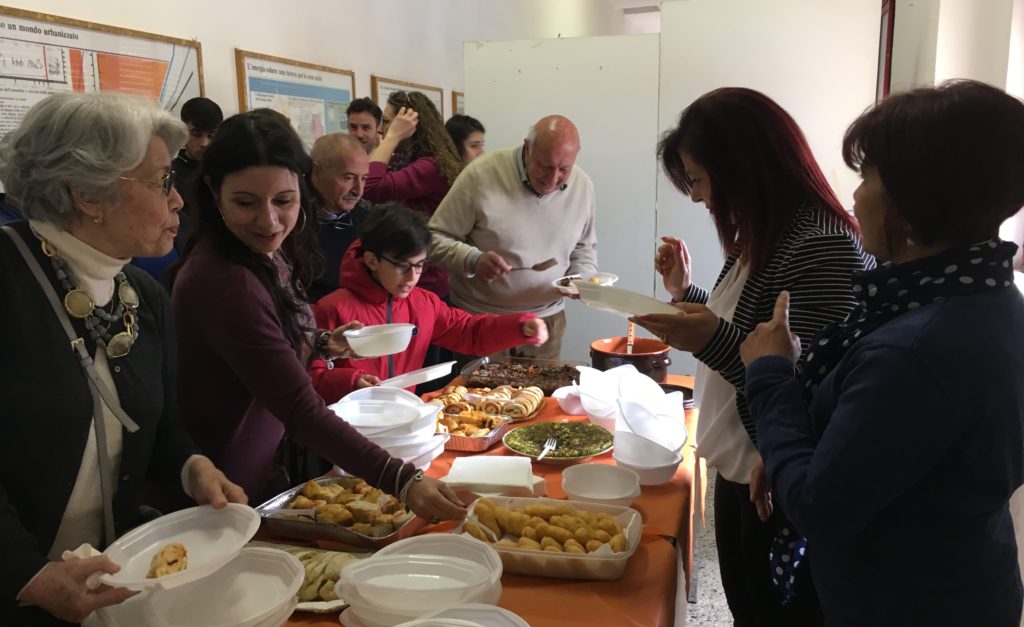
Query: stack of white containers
{"points": [[647, 423], [397, 421], [417, 576]]}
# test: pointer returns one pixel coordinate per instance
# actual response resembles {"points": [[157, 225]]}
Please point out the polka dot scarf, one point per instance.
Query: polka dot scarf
{"points": [[884, 293], [888, 291]]}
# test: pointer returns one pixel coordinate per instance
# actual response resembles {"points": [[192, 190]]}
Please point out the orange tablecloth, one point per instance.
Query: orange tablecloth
{"points": [[644, 596]]}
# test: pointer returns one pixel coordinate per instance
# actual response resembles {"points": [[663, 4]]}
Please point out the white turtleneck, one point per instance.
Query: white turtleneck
{"points": [[82, 522]]}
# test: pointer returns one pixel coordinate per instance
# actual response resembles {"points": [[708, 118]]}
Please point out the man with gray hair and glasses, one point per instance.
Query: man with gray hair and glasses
{"points": [[511, 210]]}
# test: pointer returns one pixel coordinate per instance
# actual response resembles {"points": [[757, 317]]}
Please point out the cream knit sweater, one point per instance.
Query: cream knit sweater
{"points": [[490, 209]]}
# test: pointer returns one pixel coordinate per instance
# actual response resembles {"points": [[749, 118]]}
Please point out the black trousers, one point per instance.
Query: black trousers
{"points": [[743, 545]]}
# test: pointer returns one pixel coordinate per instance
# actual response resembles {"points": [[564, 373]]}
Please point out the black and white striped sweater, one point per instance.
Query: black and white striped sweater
{"points": [[814, 262]]}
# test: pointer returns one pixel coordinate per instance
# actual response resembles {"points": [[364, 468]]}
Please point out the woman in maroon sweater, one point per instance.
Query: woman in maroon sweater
{"points": [[245, 332], [414, 164]]}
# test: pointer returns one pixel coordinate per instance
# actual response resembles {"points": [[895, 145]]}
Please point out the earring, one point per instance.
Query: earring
{"points": [[302, 214]]}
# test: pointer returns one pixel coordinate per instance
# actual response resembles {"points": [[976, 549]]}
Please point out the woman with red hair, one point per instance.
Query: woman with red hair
{"points": [[781, 228]]}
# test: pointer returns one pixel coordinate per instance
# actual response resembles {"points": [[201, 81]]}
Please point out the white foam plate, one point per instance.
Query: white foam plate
{"points": [[422, 375], [211, 537], [391, 394], [621, 302], [603, 278]]}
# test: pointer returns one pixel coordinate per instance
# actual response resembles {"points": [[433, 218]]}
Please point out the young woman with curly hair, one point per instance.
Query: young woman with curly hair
{"points": [[415, 164]]}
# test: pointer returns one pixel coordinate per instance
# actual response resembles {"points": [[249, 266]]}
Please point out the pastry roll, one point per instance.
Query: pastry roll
{"points": [[172, 558]]}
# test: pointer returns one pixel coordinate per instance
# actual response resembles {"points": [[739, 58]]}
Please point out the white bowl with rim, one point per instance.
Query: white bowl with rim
{"points": [[415, 450], [638, 450], [416, 582], [652, 475], [379, 340], [378, 393], [601, 483], [246, 592], [389, 418]]}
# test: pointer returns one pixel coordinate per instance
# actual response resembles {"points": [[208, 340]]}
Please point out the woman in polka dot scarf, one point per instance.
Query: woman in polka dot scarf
{"points": [[897, 446]]}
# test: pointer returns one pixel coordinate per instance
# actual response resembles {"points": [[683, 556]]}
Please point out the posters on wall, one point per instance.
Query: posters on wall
{"points": [[382, 88], [44, 54], [313, 97], [458, 103]]}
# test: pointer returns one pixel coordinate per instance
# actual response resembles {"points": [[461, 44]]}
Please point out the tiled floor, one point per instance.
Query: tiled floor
{"points": [[710, 610]]}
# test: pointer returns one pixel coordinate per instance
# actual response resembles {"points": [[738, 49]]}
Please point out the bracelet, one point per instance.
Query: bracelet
{"points": [[322, 341], [408, 484]]}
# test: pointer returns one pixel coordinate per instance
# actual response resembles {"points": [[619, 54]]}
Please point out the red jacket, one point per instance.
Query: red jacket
{"points": [[364, 300]]}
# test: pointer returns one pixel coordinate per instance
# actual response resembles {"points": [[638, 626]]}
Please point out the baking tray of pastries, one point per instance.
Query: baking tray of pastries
{"points": [[348, 511], [546, 374]]}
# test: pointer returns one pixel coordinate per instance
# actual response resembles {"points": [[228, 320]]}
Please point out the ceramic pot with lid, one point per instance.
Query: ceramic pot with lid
{"points": [[649, 356]]}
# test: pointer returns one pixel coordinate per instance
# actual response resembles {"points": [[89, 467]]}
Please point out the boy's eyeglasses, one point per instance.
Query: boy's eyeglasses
{"points": [[404, 267]]}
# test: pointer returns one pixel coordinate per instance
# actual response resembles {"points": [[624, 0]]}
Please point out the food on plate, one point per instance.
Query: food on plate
{"points": [[547, 378], [576, 278], [351, 502], [323, 568], [561, 528], [172, 558], [575, 439]]}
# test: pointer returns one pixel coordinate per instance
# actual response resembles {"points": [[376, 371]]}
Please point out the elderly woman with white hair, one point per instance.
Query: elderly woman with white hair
{"points": [[88, 353]]}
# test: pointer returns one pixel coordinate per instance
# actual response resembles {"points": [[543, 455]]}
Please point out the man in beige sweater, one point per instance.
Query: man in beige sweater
{"points": [[512, 209]]}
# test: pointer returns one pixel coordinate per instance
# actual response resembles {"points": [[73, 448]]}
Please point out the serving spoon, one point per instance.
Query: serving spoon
{"points": [[540, 267]]}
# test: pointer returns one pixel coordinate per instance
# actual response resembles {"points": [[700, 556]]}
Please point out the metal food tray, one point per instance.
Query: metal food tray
{"points": [[467, 444], [473, 366], [312, 530]]}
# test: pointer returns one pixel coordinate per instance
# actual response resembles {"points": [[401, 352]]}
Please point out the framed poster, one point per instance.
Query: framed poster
{"points": [[314, 97], [382, 88], [43, 54], [458, 103], [885, 50]]}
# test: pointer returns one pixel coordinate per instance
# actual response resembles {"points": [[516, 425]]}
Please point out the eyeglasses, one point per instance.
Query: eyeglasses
{"points": [[165, 182], [404, 267]]}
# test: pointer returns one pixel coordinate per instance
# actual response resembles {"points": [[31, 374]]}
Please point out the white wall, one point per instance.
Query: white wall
{"points": [[414, 40], [915, 34], [973, 40], [608, 86], [816, 59]]}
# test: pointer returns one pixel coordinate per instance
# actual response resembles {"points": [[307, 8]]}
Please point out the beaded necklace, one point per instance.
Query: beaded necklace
{"points": [[98, 321]]}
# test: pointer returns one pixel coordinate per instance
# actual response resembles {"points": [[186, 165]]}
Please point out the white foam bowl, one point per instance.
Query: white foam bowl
{"points": [[364, 612], [378, 393], [450, 546], [423, 434], [246, 592], [639, 451], [652, 475], [601, 483], [380, 339], [417, 449], [471, 613], [423, 460], [212, 538], [663, 428], [416, 583], [568, 398], [382, 417]]}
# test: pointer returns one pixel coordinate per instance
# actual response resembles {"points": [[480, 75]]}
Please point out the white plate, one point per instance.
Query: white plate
{"points": [[603, 278], [249, 590], [621, 302], [370, 417], [211, 537], [422, 375]]}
